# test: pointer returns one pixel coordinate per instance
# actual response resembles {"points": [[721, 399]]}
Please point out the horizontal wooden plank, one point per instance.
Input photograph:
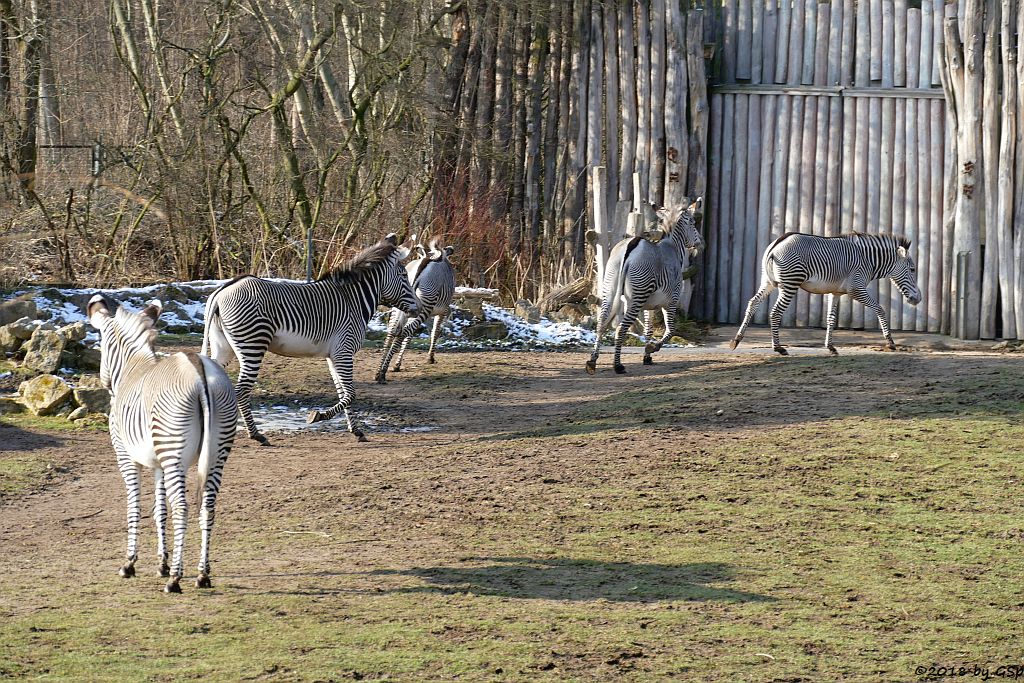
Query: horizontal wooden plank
{"points": [[829, 91]]}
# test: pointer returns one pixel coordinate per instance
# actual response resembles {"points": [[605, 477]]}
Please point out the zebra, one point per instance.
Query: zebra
{"points": [[433, 279], [644, 275], [165, 414], [326, 318], [834, 266]]}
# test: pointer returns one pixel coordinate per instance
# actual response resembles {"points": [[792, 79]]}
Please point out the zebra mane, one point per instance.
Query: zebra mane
{"points": [[898, 240], [362, 263]]}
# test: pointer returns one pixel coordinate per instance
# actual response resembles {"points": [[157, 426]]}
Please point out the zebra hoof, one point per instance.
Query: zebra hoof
{"points": [[430, 360], [172, 586], [360, 437], [650, 348], [890, 346], [127, 571], [203, 581], [314, 417], [781, 351], [165, 570], [260, 439], [381, 378], [620, 369], [735, 342], [832, 351], [648, 360], [591, 367], [398, 368]]}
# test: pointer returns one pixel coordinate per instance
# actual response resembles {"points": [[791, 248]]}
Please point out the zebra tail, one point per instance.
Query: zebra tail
{"points": [[210, 318], [206, 457]]}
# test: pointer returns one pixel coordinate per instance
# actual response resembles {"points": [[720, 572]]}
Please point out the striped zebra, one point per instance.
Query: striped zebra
{"points": [[643, 275], [164, 414], [433, 280], [327, 318], [835, 266]]}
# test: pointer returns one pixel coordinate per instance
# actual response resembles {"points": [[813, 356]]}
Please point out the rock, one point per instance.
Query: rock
{"points": [[486, 330], [527, 311], [88, 359], [573, 313], [9, 406], [23, 306], [45, 394], [473, 306], [9, 343], [89, 382], [94, 400], [78, 413], [43, 351], [589, 323], [75, 332], [23, 328]]}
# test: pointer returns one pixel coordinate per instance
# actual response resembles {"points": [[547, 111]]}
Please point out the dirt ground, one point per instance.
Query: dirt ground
{"points": [[319, 514]]}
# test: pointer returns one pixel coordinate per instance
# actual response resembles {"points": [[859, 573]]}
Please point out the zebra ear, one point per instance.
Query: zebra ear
{"points": [[96, 310], [901, 252], [698, 205], [153, 309], [391, 237], [449, 250]]}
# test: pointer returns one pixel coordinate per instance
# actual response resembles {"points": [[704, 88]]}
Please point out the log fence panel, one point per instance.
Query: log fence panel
{"points": [[823, 134]]}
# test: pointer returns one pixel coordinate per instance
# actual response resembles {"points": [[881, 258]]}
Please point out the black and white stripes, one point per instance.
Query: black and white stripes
{"points": [[166, 415], [323, 319], [644, 275], [433, 280], [833, 266]]}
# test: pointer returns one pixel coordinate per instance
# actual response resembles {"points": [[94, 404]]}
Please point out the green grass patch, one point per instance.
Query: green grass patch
{"points": [[733, 520], [21, 473]]}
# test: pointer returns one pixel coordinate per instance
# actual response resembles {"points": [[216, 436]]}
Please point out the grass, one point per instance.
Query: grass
{"points": [[21, 473], [855, 540]]}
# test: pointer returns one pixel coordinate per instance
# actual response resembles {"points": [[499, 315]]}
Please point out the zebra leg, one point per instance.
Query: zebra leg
{"points": [[786, 296], [433, 340], [833, 310], [385, 360], [648, 331], [401, 355], [175, 482], [341, 370], [864, 296], [206, 516], [604, 317], [249, 369], [160, 520], [130, 474], [752, 305], [669, 314], [628, 318]]}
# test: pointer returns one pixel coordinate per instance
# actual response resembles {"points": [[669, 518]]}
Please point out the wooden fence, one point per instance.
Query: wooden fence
{"points": [[826, 117]]}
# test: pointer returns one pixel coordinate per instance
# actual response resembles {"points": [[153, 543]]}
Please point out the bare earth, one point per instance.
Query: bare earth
{"points": [[518, 444]]}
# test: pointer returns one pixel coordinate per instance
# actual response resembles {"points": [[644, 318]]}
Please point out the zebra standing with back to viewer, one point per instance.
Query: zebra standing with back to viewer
{"points": [[327, 318], [835, 266], [164, 414], [433, 280], [644, 275]]}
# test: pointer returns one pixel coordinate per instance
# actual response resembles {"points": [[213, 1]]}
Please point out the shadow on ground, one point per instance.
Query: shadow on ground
{"points": [[16, 439], [568, 579]]}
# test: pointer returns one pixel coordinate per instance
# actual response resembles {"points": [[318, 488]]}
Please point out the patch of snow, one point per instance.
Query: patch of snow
{"points": [[64, 306]]}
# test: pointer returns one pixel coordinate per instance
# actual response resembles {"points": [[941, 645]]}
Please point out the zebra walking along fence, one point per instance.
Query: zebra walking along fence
{"points": [[831, 117]]}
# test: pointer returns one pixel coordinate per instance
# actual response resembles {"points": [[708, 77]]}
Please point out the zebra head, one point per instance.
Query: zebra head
{"points": [[904, 273], [396, 290], [125, 338], [681, 224]]}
